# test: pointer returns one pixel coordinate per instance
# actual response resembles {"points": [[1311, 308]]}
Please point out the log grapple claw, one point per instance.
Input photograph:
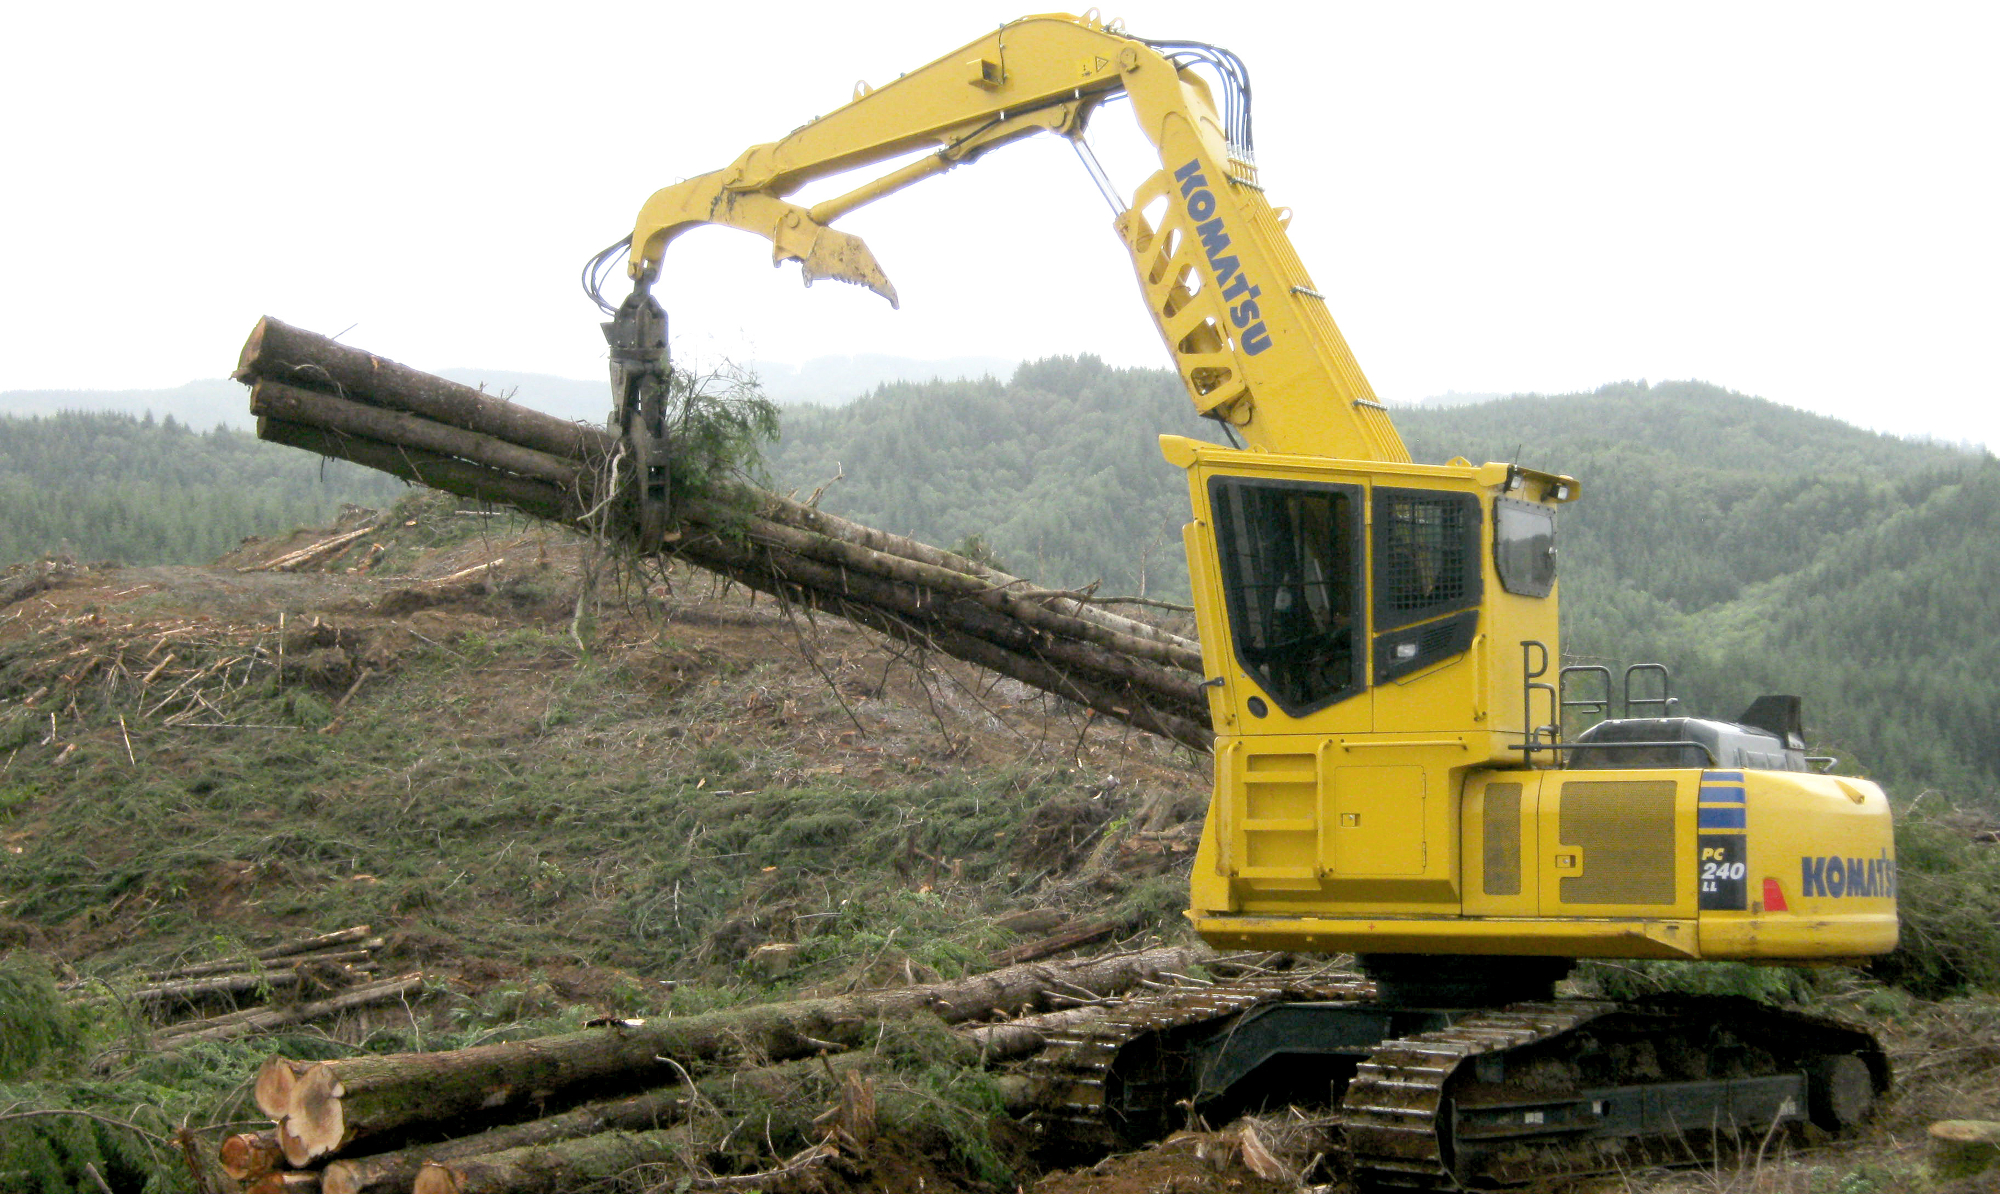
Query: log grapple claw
{"points": [[640, 376]]}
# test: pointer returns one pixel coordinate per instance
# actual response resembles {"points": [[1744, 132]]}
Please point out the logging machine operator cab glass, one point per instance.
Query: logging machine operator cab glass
{"points": [[1290, 554]]}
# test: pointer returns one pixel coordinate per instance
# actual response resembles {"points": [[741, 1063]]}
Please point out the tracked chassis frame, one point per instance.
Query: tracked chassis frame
{"points": [[1440, 1098]]}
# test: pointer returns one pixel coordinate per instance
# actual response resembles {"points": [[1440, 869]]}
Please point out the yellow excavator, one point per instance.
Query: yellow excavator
{"points": [[1393, 773]]}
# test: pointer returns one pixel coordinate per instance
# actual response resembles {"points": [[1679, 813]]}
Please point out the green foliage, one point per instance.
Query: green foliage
{"points": [[37, 1032], [720, 424], [107, 486], [1948, 896], [1633, 979]]}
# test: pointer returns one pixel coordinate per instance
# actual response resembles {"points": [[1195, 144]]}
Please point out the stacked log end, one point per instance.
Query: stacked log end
{"points": [[312, 393]]}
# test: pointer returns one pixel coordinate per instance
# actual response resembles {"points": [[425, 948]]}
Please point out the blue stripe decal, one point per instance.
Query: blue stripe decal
{"points": [[1720, 818], [1722, 777], [1721, 795]]}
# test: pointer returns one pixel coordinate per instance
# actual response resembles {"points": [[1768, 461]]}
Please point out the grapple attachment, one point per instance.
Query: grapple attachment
{"points": [[640, 374]]}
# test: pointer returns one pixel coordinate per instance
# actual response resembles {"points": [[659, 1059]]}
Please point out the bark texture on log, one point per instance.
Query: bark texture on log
{"points": [[263, 1019], [392, 1173], [339, 1103], [1141, 706], [552, 1169], [281, 352], [277, 400], [438, 471]]}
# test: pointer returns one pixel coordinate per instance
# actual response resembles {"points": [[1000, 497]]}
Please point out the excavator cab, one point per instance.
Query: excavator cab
{"points": [[1393, 772]]}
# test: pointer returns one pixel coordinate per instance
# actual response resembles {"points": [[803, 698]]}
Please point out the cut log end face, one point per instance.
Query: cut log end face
{"points": [[315, 1120], [275, 1080], [250, 1155], [435, 1178]]}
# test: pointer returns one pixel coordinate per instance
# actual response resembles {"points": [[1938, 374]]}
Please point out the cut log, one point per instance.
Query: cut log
{"points": [[277, 400], [553, 1169], [281, 1181], [1070, 936], [1018, 1038], [249, 1155], [811, 518], [1156, 712], [392, 1173], [538, 498], [366, 948], [916, 597], [361, 935], [307, 555], [930, 576], [192, 990], [222, 1028], [278, 351], [339, 1103]]}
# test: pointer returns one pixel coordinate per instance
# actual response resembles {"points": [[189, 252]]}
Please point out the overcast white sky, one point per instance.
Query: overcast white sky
{"points": [[1792, 200]]}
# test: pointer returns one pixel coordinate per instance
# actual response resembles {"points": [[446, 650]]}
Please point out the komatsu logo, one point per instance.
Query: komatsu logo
{"points": [[1237, 292], [1837, 877]]}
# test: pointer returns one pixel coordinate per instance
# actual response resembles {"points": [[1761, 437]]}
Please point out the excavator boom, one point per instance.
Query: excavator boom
{"points": [[1248, 329]]}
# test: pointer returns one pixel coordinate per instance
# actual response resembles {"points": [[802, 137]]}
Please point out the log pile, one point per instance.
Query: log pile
{"points": [[293, 982], [312, 393], [479, 1119]]}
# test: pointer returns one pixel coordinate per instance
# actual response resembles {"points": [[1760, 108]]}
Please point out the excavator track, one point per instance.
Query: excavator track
{"points": [[1394, 1112], [1488, 1099], [1566, 1088], [1126, 1076]]}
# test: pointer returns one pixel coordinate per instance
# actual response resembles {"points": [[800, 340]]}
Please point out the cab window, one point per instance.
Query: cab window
{"points": [[1291, 576]]}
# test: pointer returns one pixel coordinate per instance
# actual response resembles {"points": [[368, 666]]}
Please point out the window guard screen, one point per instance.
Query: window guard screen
{"points": [[1291, 576], [1426, 555]]}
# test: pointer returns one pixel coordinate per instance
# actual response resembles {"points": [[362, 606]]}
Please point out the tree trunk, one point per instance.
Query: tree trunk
{"points": [[810, 518], [538, 498], [552, 1169], [277, 400], [202, 988], [932, 576], [1147, 710], [1020, 1037], [222, 1028], [392, 1173], [338, 1103], [1070, 936], [284, 353]]}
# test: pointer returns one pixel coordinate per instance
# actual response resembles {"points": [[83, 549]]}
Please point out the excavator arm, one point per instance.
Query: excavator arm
{"points": [[1248, 330]]}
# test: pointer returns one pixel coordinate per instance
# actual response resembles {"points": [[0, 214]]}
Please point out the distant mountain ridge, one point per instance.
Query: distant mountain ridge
{"points": [[823, 381]]}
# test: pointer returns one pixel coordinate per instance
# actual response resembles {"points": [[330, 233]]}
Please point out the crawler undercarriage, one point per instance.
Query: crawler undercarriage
{"points": [[1435, 1097]]}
